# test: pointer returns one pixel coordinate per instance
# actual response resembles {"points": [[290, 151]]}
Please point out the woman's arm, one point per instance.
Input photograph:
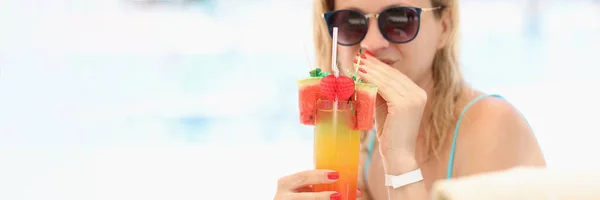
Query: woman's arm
{"points": [[401, 163], [493, 136]]}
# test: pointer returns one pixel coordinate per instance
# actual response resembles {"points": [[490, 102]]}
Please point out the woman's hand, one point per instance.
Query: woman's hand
{"points": [[398, 108], [298, 186]]}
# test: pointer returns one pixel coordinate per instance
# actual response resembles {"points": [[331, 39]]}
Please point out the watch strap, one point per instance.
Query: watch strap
{"points": [[403, 179]]}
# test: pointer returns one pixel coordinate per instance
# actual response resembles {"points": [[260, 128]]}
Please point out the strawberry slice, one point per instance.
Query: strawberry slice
{"points": [[345, 88], [328, 87]]}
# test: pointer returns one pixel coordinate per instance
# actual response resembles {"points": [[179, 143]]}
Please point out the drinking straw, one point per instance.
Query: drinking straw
{"points": [[310, 64], [334, 68]]}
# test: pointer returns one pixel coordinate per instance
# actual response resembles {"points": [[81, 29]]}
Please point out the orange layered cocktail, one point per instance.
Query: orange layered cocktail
{"points": [[340, 109], [336, 146]]}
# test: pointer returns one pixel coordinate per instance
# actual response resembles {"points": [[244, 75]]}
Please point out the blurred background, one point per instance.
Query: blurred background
{"points": [[183, 99]]}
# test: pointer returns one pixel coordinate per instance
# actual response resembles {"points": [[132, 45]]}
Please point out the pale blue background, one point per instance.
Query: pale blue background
{"points": [[105, 99]]}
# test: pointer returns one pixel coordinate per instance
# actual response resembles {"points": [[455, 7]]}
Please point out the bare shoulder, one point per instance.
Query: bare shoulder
{"points": [[494, 135]]}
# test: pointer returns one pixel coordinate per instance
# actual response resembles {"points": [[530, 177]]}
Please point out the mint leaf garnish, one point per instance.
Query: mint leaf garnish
{"points": [[318, 73], [315, 72], [354, 79]]}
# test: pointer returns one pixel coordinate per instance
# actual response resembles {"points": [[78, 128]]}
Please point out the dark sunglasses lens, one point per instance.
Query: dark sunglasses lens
{"points": [[352, 26], [399, 24]]}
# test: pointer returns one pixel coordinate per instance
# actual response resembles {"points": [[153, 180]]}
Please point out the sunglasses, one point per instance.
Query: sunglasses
{"points": [[398, 24]]}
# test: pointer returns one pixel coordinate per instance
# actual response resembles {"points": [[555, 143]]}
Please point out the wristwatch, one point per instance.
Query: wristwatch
{"points": [[403, 179]]}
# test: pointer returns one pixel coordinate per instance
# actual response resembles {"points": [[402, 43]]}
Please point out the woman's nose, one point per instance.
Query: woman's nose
{"points": [[374, 41]]}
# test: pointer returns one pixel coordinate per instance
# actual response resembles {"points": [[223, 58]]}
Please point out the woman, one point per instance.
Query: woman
{"points": [[425, 113]]}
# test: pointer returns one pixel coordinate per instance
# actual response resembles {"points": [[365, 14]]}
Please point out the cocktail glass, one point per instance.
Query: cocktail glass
{"points": [[337, 146]]}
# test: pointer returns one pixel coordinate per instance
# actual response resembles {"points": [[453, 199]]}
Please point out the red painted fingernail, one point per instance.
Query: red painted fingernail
{"points": [[358, 192], [333, 175], [362, 70], [363, 56], [369, 53], [335, 196], [356, 62]]}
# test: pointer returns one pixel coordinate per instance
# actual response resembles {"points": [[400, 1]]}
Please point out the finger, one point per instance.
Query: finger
{"points": [[372, 60], [387, 73], [309, 188], [358, 193], [364, 64], [328, 195], [373, 64], [305, 189], [305, 178], [399, 82], [386, 88]]}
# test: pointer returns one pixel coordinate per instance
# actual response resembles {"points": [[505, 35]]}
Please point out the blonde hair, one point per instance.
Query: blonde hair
{"points": [[446, 72]]}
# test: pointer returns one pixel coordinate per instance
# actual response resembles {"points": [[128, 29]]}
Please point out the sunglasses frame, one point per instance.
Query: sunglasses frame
{"points": [[326, 16]]}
